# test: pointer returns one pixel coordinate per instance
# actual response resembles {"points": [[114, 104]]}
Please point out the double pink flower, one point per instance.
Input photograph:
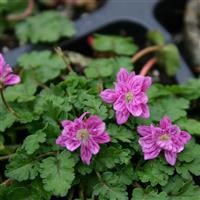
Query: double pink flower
{"points": [[167, 137], [86, 134], [129, 96], [6, 74]]}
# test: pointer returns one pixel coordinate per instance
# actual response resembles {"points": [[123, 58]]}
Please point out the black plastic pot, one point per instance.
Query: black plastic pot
{"points": [[135, 16]]}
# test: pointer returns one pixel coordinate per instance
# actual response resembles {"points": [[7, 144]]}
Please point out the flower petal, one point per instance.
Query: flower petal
{"points": [[72, 144], [140, 98], [108, 95], [122, 116], [93, 146], [83, 115], [79, 123], [86, 154], [166, 145], [185, 137], [146, 83], [122, 75], [170, 157], [144, 130], [60, 141], [95, 125], [135, 110], [2, 64], [12, 79], [165, 122], [121, 88], [145, 111], [152, 155], [173, 130], [119, 104], [103, 138], [147, 143], [136, 83], [66, 123]]}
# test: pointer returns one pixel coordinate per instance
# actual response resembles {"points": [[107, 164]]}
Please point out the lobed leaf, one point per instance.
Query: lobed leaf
{"points": [[117, 44], [48, 26], [57, 173]]}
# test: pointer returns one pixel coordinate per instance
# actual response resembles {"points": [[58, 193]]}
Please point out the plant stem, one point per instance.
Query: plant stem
{"points": [[65, 59], [47, 154], [137, 185], [102, 181], [26, 13], [6, 104], [7, 182], [6, 157], [81, 193], [148, 66], [145, 51], [71, 194]]}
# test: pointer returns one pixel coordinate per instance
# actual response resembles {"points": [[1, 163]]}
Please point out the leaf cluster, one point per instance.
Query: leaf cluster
{"points": [[48, 94]]}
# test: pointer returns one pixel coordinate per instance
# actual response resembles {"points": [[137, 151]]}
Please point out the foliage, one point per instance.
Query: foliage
{"points": [[156, 37], [48, 26], [38, 169], [168, 57], [116, 44], [107, 67]]}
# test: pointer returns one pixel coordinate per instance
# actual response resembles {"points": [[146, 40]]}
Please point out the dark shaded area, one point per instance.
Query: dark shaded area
{"points": [[170, 14]]}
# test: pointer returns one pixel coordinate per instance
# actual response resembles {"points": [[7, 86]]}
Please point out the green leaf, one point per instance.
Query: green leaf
{"points": [[126, 175], [110, 156], [92, 104], [48, 26], [188, 90], [24, 191], [190, 161], [106, 67], [116, 44], [188, 192], [22, 167], [190, 125], [41, 66], [157, 91], [174, 185], [120, 133], [156, 37], [140, 194], [32, 142], [57, 173], [16, 6], [191, 152], [173, 107], [6, 118], [168, 57], [52, 106], [109, 188], [156, 172], [84, 169]]}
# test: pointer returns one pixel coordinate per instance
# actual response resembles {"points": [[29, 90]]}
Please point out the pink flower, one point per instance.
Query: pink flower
{"points": [[128, 97], [86, 134], [166, 137], [6, 74]]}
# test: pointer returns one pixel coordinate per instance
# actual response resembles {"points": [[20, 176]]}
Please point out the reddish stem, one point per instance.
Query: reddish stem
{"points": [[145, 51], [7, 182], [26, 13], [144, 71]]}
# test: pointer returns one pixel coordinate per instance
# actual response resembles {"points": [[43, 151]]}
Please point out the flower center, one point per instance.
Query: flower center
{"points": [[129, 97], [82, 134], [164, 137]]}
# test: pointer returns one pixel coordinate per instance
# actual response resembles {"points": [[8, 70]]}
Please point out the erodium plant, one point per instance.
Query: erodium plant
{"points": [[97, 130]]}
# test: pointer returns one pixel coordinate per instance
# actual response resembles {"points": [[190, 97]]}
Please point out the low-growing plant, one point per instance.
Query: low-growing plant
{"points": [[91, 128]]}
